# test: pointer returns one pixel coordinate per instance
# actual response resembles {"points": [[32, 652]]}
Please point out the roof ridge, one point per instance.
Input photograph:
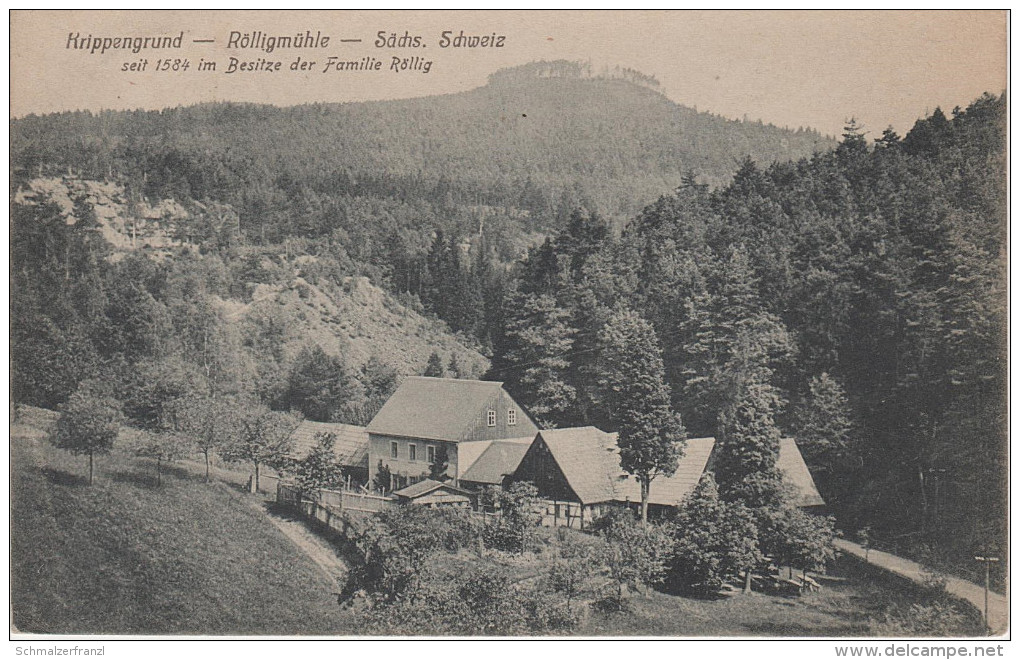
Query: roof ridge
{"points": [[466, 381]]}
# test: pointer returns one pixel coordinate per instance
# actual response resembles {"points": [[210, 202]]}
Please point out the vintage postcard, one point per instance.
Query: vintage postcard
{"points": [[630, 324]]}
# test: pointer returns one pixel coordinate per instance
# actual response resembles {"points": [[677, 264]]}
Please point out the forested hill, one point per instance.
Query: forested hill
{"points": [[535, 138]]}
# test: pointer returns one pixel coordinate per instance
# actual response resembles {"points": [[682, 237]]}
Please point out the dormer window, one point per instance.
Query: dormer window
{"points": [[491, 418], [511, 417]]}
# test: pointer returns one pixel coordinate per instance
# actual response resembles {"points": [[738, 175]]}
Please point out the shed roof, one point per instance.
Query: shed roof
{"points": [[498, 460], [670, 491], [796, 474], [435, 408], [351, 446], [426, 486]]}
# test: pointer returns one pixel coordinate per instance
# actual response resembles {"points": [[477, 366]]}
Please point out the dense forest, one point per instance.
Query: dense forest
{"points": [[856, 298], [850, 294]]}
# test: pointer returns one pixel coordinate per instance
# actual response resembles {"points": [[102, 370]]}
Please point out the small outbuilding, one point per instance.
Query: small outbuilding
{"points": [[434, 494]]}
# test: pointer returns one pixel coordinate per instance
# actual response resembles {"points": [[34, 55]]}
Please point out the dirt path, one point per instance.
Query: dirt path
{"points": [[998, 605], [317, 549]]}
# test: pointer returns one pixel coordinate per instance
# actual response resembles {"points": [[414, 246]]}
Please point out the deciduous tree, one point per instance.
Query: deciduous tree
{"points": [[264, 439], [88, 423], [634, 392]]}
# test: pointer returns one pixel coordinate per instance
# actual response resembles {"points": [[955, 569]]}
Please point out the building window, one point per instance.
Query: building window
{"points": [[412, 452], [511, 417], [393, 450], [492, 418], [430, 453]]}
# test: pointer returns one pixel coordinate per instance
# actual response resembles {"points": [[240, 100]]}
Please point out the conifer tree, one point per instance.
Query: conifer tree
{"points": [[714, 540], [434, 367], [822, 423], [749, 450], [320, 468], [538, 341]]}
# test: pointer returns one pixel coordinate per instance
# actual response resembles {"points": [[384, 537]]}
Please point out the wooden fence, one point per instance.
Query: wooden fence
{"points": [[324, 503]]}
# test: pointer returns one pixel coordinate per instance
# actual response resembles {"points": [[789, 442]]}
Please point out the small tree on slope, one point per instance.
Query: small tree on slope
{"points": [[88, 424]]}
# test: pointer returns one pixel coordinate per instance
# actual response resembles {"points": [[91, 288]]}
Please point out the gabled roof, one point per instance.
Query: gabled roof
{"points": [[588, 459], [498, 460], [351, 446], [796, 474], [670, 491], [435, 408], [426, 486]]}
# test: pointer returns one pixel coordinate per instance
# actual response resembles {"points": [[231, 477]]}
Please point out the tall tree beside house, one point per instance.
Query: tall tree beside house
{"points": [[379, 381], [88, 423], [322, 387], [263, 439], [434, 367], [634, 392], [321, 468]]}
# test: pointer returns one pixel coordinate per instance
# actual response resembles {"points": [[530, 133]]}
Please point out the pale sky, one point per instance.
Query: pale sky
{"points": [[790, 68]]}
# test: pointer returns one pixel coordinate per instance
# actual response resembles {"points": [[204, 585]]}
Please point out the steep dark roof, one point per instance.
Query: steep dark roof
{"points": [[796, 474], [436, 408], [498, 460], [587, 458], [426, 486], [351, 442]]}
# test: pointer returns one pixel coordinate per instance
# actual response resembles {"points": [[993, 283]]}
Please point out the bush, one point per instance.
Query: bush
{"points": [[472, 599], [579, 567], [713, 541], [793, 537], [393, 547], [516, 529], [636, 555], [939, 618]]}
